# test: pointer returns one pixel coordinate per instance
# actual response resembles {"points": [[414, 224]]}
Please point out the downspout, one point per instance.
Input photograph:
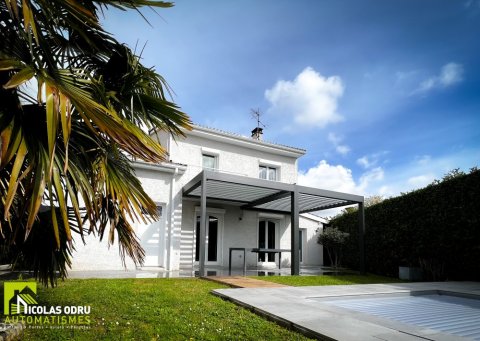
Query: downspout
{"points": [[172, 219]]}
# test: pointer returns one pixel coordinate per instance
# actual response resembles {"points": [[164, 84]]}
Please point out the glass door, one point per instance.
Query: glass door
{"points": [[266, 240], [212, 239]]}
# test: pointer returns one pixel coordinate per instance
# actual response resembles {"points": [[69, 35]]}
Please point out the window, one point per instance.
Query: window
{"points": [[301, 233], [267, 173], [209, 162], [159, 213]]}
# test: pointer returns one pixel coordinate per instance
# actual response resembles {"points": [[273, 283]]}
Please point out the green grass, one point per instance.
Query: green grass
{"points": [[328, 280], [169, 309], [155, 309]]}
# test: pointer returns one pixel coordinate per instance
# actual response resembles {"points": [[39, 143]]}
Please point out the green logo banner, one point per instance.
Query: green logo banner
{"points": [[18, 296]]}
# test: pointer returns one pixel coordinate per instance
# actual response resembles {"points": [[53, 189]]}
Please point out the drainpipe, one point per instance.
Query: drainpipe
{"points": [[171, 220]]}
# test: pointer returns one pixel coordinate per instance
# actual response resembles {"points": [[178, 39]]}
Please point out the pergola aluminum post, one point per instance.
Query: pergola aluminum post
{"points": [[294, 216], [361, 236], [203, 224]]}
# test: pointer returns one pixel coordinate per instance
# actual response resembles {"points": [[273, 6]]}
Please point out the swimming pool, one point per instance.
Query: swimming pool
{"points": [[440, 311], [444, 312]]}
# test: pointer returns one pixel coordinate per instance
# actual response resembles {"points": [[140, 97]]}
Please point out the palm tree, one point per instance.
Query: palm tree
{"points": [[65, 147]]}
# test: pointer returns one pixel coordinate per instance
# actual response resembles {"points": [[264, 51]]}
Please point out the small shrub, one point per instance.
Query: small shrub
{"points": [[333, 240]]}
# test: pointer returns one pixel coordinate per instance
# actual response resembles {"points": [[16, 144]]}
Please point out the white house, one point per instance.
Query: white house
{"points": [[249, 194]]}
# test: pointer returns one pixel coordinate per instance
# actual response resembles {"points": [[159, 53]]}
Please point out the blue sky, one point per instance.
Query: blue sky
{"points": [[383, 95]]}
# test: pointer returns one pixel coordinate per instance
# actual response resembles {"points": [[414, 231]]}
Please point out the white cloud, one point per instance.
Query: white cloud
{"points": [[342, 149], [423, 160], [385, 191], [402, 76], [325, 176], [375, 180], [336, 141], [339, 178], [420, 181], [368, 161], [310, 99], [364, 162], [450, 74], [374, 175]]}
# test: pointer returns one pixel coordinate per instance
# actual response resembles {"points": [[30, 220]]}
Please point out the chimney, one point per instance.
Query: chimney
{"points": [[257, 133]]}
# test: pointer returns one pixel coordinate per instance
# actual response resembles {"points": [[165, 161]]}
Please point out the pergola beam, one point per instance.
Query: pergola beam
{"points": [[203, 224], [327, 207], [295, 238], [193, 184], [329, 194]]}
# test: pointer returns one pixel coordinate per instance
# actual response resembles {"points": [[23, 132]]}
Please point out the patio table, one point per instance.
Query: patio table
{"points": [[256, 250], [279, 251]]}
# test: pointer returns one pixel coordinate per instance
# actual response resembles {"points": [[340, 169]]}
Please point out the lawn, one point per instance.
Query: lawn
{"points": [[328, 280], [169, 309], [155, 309]]}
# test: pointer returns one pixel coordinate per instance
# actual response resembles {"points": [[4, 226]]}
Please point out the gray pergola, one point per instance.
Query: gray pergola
{"points": [[268, 196]]}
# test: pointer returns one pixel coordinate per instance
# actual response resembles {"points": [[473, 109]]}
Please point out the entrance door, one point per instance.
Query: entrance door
{"points": [[212, 240], [266, 239]]}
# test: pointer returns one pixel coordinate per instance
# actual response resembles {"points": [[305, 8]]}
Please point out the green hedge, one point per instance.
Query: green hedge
{"points": [[436, 228]]}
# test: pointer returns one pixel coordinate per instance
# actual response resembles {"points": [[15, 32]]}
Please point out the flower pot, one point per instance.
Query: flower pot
{"points": [[409, 273]]}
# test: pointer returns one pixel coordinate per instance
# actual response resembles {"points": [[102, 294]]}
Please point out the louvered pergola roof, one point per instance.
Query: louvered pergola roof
{"points": [[270, 196], [265, 195]]}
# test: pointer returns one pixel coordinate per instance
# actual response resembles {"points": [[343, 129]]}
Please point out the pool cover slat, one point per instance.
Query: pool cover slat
{"points": [[449, 314]]}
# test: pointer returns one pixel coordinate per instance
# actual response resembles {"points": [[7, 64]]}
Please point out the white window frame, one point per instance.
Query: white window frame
{"points": [[220, 213], [212, 153], [270, 165], [268, 168], [277, 220], [215, 162]]}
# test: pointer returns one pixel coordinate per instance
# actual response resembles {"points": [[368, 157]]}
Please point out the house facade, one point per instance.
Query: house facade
{"points": [[173, 242]]}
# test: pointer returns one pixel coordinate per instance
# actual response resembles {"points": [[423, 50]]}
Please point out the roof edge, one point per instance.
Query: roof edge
{"points": [[243, 140], [314, 217], [166, 167]]}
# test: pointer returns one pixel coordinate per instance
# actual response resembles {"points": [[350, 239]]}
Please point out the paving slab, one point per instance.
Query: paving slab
{"points": [[307, 310], [243, 282]]}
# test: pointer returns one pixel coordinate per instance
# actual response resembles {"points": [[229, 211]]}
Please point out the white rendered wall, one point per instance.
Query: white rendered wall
{"points": [[313, 252], [97, 255], [231, 158]]}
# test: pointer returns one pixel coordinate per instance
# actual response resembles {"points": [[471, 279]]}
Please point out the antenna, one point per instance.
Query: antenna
{"points": [[256, 115], [258, 131]]}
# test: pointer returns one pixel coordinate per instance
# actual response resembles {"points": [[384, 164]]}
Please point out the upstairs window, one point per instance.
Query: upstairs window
{"points": [[209, 162], [267, 173]]}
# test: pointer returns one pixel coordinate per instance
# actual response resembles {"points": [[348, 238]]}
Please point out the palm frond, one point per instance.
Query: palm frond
{"points": [[63, 164]]}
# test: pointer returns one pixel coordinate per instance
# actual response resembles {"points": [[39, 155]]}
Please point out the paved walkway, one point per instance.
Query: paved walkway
{"points": [[244, 282], [307, 309]]}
